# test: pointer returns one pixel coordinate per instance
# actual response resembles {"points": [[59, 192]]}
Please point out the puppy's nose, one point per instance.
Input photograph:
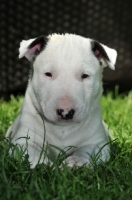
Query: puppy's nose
{"points": [[66, 114]]}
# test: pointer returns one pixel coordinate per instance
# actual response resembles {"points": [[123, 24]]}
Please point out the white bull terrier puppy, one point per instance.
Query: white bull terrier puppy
{"points": [[65, 87]]}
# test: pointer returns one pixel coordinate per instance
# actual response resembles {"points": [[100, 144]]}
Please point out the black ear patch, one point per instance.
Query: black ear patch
{"points": [[38, 45], [99, 51]]}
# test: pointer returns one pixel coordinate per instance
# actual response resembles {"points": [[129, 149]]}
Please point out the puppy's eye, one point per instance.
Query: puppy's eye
{"points": [[48, 74], [84, 76]]}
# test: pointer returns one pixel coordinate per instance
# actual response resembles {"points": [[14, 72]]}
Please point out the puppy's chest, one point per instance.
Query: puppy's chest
{"points": [[63, 140]]}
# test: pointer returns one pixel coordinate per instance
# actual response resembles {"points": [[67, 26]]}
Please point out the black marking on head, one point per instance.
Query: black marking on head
{"points": [[42, 41], [100, 63], [99, 51], [31, 72]]}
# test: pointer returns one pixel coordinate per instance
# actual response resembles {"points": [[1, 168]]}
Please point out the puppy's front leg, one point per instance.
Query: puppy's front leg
{"points": [[85, 155], [73, 160], [31, 144], [37, 157], [36, 154]]}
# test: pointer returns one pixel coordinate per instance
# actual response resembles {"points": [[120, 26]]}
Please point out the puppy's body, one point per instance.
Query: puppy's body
{"points": [[64, 90]]}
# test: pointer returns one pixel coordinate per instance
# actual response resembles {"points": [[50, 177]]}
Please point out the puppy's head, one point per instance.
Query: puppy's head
{"points": [[67, 75]]}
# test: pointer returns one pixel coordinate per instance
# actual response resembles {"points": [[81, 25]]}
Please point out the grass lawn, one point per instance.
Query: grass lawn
{"points": [[109, 181]]}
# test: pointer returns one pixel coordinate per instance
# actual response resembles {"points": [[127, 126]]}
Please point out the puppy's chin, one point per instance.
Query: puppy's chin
{"points": [[65, 122]]}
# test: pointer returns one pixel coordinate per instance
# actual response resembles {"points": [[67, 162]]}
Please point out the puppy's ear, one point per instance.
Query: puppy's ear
{"points": [[105, 55], [31, 48]]}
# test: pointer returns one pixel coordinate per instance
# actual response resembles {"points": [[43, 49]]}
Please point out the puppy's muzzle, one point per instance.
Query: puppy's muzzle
{"points": [[66, 114]]}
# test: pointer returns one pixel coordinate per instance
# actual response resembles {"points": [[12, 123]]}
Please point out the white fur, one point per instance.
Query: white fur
{"points": [[24, 48], [67, 57]]}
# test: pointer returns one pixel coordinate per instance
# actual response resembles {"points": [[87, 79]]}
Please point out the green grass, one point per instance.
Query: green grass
{"points": [[108, 181]]}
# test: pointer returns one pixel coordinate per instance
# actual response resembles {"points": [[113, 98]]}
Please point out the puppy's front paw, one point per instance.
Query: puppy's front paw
{"points": [[72, 161]]}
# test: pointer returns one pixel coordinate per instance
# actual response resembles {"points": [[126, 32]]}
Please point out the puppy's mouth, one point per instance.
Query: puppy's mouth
{"points": [[66, 118], [62, 117]]}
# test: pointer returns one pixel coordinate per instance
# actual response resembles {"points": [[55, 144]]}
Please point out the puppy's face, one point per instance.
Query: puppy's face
{"points": [[67, 76]]}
